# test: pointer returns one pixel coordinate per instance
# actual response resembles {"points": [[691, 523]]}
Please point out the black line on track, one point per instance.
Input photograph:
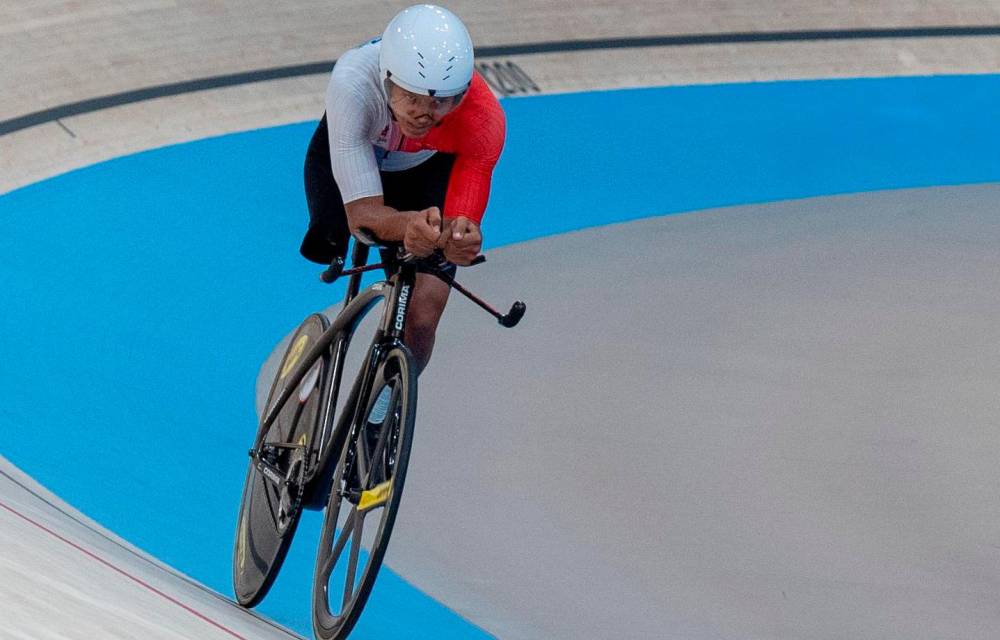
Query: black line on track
{"points": [[566, 46]]}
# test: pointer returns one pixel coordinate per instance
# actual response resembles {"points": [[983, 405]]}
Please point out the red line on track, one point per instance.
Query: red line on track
{"points": [[125, 573]]}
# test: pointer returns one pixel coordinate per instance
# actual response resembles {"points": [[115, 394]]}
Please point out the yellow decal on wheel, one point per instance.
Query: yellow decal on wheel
{"points": [[293, 355], [375, 497], [241, 543]]}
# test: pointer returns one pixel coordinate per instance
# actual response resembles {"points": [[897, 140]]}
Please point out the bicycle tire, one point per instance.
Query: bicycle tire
{"points": [[383, 488], [265, 527]]}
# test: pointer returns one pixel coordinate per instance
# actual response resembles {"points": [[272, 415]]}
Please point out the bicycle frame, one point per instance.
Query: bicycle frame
{"points": [[301, 442], [336, 339]]}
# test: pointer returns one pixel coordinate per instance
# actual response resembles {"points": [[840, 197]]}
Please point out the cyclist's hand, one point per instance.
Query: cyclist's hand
{"points": [[422, 232], [462, 241]]}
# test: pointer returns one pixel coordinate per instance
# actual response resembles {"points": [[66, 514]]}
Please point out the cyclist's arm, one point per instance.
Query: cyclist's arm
{"points": [[469, 186], [478, 137], [350, 111], [419, 231], [351, 108], [372, 213]]}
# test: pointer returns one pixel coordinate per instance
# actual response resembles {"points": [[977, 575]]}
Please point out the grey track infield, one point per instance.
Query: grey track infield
{"points": [[774, 421]]}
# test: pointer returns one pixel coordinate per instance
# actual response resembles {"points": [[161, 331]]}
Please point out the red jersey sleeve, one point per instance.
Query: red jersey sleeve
{"points": [[475, 133], [485, 129]]}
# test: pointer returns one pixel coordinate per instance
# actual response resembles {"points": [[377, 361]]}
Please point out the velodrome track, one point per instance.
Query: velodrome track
{"points": [[772, 420]]}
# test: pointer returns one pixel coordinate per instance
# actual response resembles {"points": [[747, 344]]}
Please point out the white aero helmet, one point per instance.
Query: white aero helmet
{"points": [[427, 50]]}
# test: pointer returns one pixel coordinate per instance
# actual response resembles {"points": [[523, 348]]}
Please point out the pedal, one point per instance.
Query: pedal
{"points": [[376, 496]]}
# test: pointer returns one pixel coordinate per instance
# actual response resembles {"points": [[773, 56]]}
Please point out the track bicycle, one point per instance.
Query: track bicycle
{"points": [[305, 457]]}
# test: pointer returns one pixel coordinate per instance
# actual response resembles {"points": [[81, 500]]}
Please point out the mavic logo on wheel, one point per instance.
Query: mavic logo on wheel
{"points": [[404, 299], [241, 543], [294, 354]]}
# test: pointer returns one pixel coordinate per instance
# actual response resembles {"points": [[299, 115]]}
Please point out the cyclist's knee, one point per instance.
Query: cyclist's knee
{"points": [[426, 307], [429, 300], [424, 314]]}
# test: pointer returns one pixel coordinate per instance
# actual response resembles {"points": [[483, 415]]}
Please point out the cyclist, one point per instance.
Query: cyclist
{"points": [[406, 148]]}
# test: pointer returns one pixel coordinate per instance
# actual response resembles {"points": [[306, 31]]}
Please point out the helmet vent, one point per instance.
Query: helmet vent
{"points": [[421, 55], [422, 75], [446, 77], [421, 65]]}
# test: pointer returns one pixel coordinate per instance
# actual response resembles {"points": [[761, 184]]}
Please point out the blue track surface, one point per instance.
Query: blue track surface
{"points": [[142, 294]]}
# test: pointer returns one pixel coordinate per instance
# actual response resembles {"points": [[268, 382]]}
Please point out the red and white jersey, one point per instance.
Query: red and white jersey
{"points": [[364, 138]]}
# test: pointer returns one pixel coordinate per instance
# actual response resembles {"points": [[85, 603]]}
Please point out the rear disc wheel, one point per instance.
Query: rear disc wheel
{"points": [[270, 508]]}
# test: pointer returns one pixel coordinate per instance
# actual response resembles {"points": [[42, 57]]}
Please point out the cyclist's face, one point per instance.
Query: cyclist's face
{"points": [[417, 114]]}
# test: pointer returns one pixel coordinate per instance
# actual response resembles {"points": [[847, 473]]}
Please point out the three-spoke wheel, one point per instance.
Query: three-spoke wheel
{"points": [[367, 486]]}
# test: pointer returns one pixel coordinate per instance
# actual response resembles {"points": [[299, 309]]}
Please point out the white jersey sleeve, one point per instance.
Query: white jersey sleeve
{"points": [[350, 108], [364, 138]]}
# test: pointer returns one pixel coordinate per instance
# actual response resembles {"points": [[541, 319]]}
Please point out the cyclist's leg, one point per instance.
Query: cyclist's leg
{"points": [[328, 231], [430, 295], [422, 186]]}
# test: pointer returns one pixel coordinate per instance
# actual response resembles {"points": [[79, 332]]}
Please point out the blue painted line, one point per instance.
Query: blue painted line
{"points": [[141, 294]]}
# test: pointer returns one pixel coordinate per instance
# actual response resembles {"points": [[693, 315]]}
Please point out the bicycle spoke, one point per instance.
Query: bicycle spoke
{"points": [[376, 458], [352, 564], [338, 548], [335, 513]]}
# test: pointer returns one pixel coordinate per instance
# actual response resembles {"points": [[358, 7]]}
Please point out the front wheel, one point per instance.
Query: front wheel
{"points": [[361, 510]]}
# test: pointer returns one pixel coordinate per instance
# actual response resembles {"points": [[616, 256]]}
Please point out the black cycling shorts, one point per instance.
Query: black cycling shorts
{"points": [[422, 186]]}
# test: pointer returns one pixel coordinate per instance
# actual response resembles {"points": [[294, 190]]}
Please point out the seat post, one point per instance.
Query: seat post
{"points": [[359, 258]]}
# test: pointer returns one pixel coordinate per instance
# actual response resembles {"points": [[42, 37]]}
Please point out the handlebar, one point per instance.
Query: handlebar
{"points": [[335, 270], [435, 261], [368, 237]]}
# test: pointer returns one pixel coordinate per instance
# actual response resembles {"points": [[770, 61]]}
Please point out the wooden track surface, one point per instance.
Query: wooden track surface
{"points": [[64, 576], [61, 52]]}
